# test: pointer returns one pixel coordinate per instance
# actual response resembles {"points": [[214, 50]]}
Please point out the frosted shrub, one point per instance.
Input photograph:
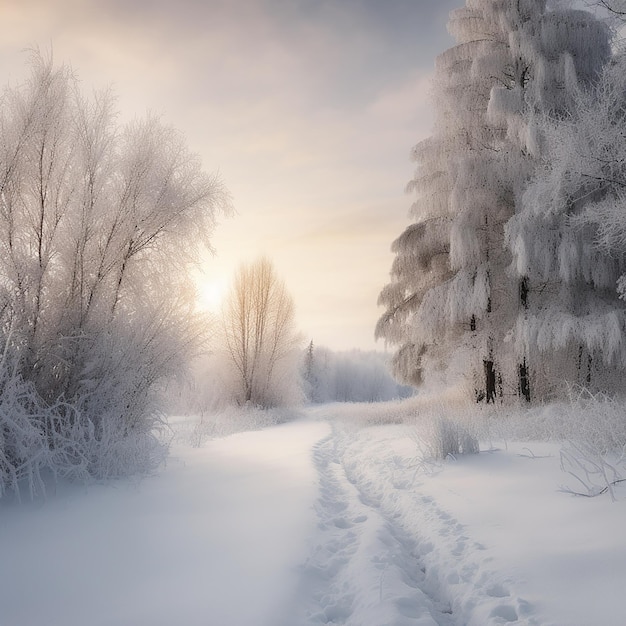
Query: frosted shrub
{"points": [[67, 440], [443, 424], [594, 452], [448, 437], [23, 450], [98, 227], [595, 473], [597, 420]]}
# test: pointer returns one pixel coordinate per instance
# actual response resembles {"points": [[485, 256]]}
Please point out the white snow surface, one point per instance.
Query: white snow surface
{"points": [[327, 519]]}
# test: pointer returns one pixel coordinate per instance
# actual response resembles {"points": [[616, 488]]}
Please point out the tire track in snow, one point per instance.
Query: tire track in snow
{"points": [[363, 570]]}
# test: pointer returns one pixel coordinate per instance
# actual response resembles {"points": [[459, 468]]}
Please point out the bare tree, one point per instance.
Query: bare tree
{"points": [[259, 336]]}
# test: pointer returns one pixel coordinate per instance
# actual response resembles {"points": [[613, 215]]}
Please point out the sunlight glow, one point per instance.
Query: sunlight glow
{"points": [[210, 293]]}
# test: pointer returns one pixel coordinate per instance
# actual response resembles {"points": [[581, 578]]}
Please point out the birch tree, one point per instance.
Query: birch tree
{"points": [[98, 224], [260, 340]]}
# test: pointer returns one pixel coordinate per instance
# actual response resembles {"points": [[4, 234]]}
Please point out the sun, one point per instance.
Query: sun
{"points": [[210, 293]]}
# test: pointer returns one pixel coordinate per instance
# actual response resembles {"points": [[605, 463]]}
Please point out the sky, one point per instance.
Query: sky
{"points": [[307, 108]]}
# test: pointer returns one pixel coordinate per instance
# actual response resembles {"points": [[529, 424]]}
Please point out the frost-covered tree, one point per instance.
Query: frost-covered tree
{"points": [[558, 57], [570, 239], [259, 338], [595, 142], [453, 300], [98, 224]]}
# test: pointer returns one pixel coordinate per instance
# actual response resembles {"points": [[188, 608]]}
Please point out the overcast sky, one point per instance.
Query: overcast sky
{"points": [[308, 109]]}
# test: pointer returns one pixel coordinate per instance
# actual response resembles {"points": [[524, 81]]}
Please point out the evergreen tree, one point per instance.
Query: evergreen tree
{"points": [[570, 239], [453, 300]]}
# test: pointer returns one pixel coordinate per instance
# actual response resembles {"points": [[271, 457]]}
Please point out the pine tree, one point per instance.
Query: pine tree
{"points": [[309, 374]]}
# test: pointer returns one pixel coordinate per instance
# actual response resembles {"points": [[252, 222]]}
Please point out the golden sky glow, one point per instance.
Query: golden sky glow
{"points": [[308, 108]]}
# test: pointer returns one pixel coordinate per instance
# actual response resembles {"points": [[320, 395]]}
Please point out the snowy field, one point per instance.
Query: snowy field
{"points": [[329, 518]]}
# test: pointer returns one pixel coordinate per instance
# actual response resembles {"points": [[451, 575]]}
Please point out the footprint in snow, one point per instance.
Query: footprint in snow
{"points": [[504, 612], [497, 591], [342, 523]]}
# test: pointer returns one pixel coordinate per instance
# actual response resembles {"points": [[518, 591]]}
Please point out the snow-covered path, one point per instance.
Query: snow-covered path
{"points": [[214, 540], [328, 519], [363, 569], [261, 528]]}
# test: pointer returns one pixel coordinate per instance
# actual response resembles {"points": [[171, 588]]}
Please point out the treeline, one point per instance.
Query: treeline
{"points": [[351, 376], [316, 375], [512, 276]]}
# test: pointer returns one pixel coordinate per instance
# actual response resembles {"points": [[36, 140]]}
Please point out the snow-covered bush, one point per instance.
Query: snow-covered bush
{"points": [[448, 437], [65, 439], [594, 449], [23, 448], [443, 424], [98, 226], [595, 473], [593, 431]]}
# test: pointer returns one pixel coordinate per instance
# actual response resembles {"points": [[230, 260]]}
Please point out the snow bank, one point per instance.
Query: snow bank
{"points": [[196, 430], [352, 523], [496, 535], [213, 539]]}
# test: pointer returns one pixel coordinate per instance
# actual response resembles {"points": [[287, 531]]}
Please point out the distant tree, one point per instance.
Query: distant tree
{"points": [[98, 224], [311, 374], [351, 376], [260, 340]]}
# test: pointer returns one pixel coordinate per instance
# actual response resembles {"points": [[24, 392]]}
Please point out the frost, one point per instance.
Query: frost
{"points": [[492, 173]]}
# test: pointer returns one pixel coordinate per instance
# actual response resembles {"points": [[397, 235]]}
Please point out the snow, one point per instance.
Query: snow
{"points": [[499, 538], [213, 539], [331, 518]]}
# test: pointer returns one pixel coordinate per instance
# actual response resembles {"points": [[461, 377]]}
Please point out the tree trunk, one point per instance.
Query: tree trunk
{"points": [[490, 381], [523, 371], [524, 381]]}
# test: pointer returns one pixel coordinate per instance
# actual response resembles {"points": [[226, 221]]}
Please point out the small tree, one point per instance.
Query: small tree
{"points": [[309, 374], [259, 338]]}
